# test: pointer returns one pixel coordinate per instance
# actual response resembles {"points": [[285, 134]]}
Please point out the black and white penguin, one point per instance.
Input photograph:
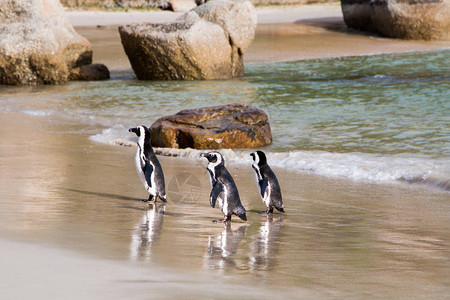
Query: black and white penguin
{"points": [[148, 166], [267, 182], [224, 189]]}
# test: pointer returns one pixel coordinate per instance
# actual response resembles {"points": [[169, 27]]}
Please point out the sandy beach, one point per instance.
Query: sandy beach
{"points": [[72, 224]]}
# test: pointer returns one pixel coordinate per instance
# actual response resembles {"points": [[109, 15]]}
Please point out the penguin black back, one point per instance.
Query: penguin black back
{"points": [[224, 189], [147, 164], [268, 183]]}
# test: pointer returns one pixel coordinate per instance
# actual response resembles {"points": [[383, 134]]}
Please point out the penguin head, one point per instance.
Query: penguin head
{"points": [[140, 131], [259, 158], [213, 157]]}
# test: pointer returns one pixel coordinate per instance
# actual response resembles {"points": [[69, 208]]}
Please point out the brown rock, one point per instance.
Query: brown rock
{"points": [[207, 42], [90, 72], [406, 19], [226, 126]]}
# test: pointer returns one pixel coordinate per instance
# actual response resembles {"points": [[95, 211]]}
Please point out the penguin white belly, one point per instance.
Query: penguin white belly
{"points": [[139, 163], [266, 198], [223, 202], [137, 160], [267, 195], [257, 180]]}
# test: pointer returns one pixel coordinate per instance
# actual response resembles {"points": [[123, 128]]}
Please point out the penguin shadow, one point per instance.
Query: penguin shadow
{"points": [[105, 195], [147, 232], [264, 248], [126, 198], [222, 247]]}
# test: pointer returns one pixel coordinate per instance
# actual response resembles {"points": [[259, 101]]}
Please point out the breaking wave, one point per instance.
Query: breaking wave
{"points": [[355, 166]]}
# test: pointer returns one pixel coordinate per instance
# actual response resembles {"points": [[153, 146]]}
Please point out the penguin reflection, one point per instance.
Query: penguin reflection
{"points": [[265, 246], [222, 247], [147, 232]]}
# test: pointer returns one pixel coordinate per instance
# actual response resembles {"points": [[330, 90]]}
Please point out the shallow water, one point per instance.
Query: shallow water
{"points": [[376, 118]]}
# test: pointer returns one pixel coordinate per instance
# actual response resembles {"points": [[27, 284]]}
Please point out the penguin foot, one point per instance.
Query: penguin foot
{"points": [[163, 199], [224, 220], [267, 212], [150, 199]]}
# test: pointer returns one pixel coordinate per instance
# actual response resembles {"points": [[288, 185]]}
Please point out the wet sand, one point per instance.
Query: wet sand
{"points": [[72, 224]]}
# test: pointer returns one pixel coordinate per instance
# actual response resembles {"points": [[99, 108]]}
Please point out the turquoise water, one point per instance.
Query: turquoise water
{"points": [[385, 104], [377, 118]]}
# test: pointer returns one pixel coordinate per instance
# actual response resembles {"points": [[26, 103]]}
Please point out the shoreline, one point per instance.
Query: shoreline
{"points": [[266, 15]]}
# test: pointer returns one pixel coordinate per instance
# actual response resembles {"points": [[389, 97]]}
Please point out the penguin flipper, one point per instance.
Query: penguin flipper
{"points": [[148, 170], [215, 192], [263, 183]]}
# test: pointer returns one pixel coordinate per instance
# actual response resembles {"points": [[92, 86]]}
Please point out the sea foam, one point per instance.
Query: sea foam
{"points": [[355, 166]]}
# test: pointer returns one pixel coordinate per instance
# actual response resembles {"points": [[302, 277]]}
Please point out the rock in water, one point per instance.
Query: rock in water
{"points": [[208, 42], [89, 72], [226, 126], [38, 44], [406, 19]]}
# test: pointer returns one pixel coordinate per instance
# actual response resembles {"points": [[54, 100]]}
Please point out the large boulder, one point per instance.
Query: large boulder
{"points": [[38, 43], [226, 126], [406, 19], [207, 42]]}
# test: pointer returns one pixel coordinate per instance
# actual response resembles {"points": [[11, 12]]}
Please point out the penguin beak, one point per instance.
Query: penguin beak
{"points": [[206, 155], [132, 130]]}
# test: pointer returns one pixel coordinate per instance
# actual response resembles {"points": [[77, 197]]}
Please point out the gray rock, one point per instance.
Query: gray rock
{"points": [[182, 5], [207, 42], [38, 44], [237, 18], [406, 19]]}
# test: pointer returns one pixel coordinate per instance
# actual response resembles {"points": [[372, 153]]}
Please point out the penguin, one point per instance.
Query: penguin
{"points": [[148, 166], [267, 182], [223, 188]]}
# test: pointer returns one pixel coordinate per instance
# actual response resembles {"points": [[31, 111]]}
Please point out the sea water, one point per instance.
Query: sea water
{"points": [[382, 118]]}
